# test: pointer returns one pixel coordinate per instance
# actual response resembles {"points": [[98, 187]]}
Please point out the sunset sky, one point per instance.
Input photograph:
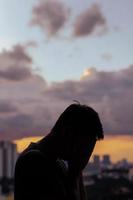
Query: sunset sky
{"points": [[55, 51]]}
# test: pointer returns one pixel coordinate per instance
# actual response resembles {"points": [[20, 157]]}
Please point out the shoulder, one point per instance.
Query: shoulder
{"points": [[32, 160], [31, 154]]}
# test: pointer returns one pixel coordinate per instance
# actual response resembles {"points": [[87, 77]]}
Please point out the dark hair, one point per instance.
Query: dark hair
{"points": [[79, 120]]}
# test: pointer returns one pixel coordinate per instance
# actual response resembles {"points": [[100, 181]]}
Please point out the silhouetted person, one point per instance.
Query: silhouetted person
{"points": [[51, 169]]}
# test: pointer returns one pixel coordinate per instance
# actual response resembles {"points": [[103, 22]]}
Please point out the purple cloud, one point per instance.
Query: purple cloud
{"points": [[15, 73], [26, 108], [88, 21], [50, 15], [7, 107], [110, 93], [19, 54], [15, 64]]}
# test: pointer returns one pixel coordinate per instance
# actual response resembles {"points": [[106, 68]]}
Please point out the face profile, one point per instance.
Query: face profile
{"points": [[72, 141]]}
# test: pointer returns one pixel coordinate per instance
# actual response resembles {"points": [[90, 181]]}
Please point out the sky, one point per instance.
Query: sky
{"points": [[55, 51]]}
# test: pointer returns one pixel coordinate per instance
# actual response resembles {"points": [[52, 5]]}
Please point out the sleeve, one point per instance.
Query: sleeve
{"points": [[33, 179]]}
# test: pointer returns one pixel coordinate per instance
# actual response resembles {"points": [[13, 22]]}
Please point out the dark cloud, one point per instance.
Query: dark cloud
{"points": [[20, 90], [32, 106], [19, 53], [15, 73], [50, 16], [7, 107], [88, 21], [110, 93], [20, 121], [20, 124], [35, 123], [15, 64]]}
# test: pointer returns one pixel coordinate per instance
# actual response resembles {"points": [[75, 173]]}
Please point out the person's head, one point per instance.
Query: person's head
{"points": [[78, 128]]}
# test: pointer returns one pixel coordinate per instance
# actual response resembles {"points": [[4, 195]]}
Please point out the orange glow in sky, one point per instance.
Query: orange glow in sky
{"points": [[118, 147], [24, 142]]}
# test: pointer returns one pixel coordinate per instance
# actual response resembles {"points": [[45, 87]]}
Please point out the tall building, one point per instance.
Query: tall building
{"points": [[8, 156], [1, 164], [96, 160], [92, 168], [106, 160]]}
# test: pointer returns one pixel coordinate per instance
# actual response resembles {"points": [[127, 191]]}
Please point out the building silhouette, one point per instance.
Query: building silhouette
{"points": [[96, 160], [8, 156], [106, 160]]}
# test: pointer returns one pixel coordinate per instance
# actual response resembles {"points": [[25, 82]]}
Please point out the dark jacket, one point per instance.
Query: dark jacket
{"points": [[38, 177]]}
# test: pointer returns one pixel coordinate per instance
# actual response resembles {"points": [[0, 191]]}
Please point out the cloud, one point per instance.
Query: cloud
{"points": [[15, 73], [20, 90], [30, 106], [88, 72], [19, 123], [110, 93], [50, 15], [7, 107], [15, 64], [89, 21]]}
